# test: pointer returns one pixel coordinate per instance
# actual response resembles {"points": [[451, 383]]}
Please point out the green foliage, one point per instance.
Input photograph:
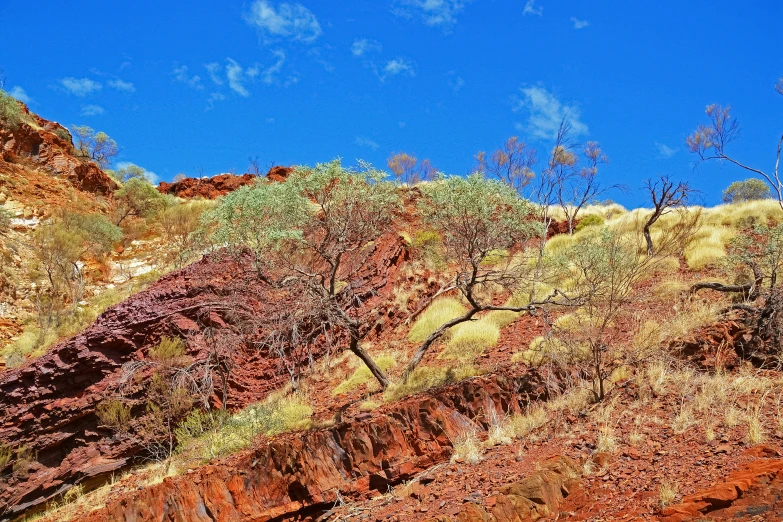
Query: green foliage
{"points": [[5, 455], [751, 189], [476, 217], [10, 110], [591, 220], [170, 350], [5, 220], [63, 134], [97, 146], [95, 232], [114, 413], [132, 172], [137, 198], [180, 223], [207, 436]]}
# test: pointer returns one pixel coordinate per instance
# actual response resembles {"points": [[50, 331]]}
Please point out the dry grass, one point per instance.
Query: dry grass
{"points": [[469, 340], [668, 492], [424, 377], [467, 447], [436, 315], [708, 246], [362, 375]]}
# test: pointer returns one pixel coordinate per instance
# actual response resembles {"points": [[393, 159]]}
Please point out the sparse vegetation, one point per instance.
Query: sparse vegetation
{"points": [[10, 110]]}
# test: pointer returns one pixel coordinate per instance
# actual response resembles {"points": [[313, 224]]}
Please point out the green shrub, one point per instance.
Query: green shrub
{"points": [[63, 134], [751, 189], [114, 413], [10, 110], [590, 220]]}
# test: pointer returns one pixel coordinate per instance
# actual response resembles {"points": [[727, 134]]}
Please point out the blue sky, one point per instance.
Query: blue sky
{"points": [[204, 85]]}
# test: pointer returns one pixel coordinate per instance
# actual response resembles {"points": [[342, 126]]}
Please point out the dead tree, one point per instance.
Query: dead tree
{"points": [[666, 196], [709, 142], [513, 164]]}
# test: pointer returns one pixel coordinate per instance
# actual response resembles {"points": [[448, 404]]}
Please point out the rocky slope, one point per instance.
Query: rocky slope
{"points": [[48, 405]]}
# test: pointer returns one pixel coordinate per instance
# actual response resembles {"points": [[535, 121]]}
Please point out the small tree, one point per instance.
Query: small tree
{"points": [[10, 110], [477, 219], [133, 172], [665, 196], [137, 198], [751, 189], [710, 140], [97, 146], [308, 237], [180, 223], [512, 164], [407, 169]]}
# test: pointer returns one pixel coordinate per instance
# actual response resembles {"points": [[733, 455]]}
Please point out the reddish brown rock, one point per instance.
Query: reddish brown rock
{"points": [[301, 474], [49, 404], [207, 188]]}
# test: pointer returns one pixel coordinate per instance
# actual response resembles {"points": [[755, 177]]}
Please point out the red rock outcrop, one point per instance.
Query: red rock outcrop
{"points": [[299, 476], [208, 188], [48, 145], [278, 173], [755, 490], [48, 405]]}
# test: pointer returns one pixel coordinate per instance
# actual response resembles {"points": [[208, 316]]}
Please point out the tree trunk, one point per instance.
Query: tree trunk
{"points": [[434, 336], [648, 238], [366, 359]]}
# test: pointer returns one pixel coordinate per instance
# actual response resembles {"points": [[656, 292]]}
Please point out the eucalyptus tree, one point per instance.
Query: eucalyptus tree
{"points": [[481, 222], [309, 237]]}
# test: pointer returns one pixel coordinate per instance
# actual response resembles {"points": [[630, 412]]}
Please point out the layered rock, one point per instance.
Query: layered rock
{"points": [[299, 476], [207, 188], [49, 404], [48, 145]]}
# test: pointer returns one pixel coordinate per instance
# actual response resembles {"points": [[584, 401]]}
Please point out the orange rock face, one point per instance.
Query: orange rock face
{"points": [[301, 475]]}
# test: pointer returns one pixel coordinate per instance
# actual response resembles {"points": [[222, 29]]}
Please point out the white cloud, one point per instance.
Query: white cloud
{"points": [[456, 84], [269, 75], [532, 8], [362, 46], [364, 141], [214, 73], [579, 24], [665, 151], [214, 97], [181, 75], [436, 13], [92, 110], [398, 66], [235, 78], [546, 113], [80, 86], [152, 177], [121, 85], [292, 21], [20, 94]]}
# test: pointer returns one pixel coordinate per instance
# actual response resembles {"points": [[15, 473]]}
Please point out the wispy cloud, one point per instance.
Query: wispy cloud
{"points": [[364, 141], [579, 24], [398, 66], [532, 9], [436, 13], [20, 94], [181, 75], [92, 110], [546, 112], [80, 86], [363, 46], [291, 21], [236, 78], [214, 97], [214, 73], [664, 151], [456, 84], [121, 85], [269, 75]]}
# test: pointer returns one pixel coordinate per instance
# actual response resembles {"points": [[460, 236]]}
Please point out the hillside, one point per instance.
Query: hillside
{"points": [[323, 344]]}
